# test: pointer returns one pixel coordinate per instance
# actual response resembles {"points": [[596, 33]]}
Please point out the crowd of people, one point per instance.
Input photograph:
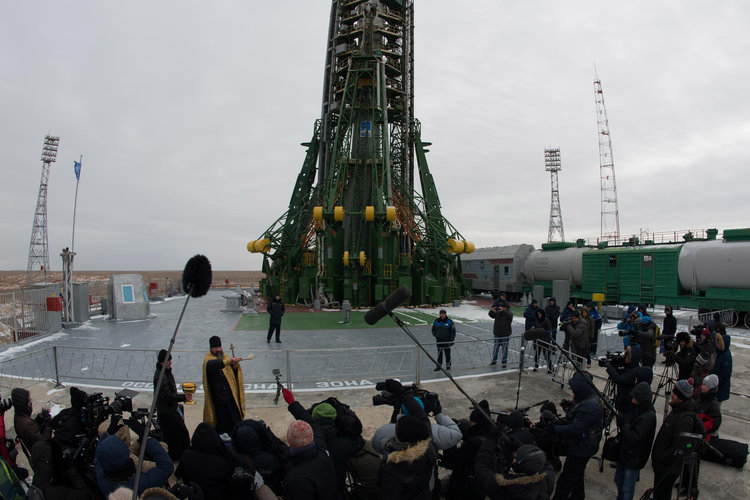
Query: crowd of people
{"points": [[495, 454]]}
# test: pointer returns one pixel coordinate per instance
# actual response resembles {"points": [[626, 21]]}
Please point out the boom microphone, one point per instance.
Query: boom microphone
{"points": [[535, 334], [401, 295], [197, 277]]}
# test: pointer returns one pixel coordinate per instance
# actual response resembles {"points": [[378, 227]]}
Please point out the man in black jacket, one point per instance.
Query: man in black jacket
{"points": [[625, 378], [531, 477], [636, 434], [581, 431], [168, 409], [276, 311], [684, 358], [669, 446], [501, 329]]}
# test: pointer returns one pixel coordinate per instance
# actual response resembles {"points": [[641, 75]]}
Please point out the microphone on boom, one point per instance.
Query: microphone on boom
{"points": [[196, 278], [401, 295]]}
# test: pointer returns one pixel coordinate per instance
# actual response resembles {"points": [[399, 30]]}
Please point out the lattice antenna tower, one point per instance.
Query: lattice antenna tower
{"points": [[38, 247], [553, 165], [610, 215]]}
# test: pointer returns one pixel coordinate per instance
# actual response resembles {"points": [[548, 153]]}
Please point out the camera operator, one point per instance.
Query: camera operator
{"points": [[624, 377], [565, 318], [636, 433], [530, 476], [516, 429], [460, 460], [625, 327], [684, 358], [544, 434], [644, 334], [575, 330], [580, 431], [669, 327], [68, 424], [29, 430], [409, 469], [668, 449], [168, 410]]}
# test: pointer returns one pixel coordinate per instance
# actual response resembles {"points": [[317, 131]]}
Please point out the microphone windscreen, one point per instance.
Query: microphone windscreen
{"points": [[375, 314], [197, 277], [536, 334], [401, 295]]}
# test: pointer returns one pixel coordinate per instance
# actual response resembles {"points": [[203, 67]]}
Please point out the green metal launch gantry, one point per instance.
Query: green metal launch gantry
{"points": [[356, 228]]}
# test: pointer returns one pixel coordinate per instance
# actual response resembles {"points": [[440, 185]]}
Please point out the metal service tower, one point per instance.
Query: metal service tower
{"points": [[553, 165], [36, 269], [610, 214], [357, 228]]}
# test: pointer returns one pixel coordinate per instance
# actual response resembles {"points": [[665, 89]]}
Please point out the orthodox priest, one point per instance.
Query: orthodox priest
{"points": [[224, 388]]}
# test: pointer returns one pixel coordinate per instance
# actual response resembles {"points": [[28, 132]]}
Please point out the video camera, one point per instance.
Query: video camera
{"points": [[388, 398], [616, 359], [697, 330], [97, 408]]}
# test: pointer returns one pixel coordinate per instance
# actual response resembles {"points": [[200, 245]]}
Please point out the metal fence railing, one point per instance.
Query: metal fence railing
{"points": [[24, 313]]}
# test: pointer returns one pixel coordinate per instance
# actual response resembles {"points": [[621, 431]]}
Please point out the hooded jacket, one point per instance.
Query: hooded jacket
{"points": [[513, 486], [408, 469], [582, 429], [57, 479], [645, 333], [462, 459], [530, 314], [222, 384], [29, 430], [552, 311], [681, 419], [253, 439], [626, 379], [685, 359], [208, 463], [637, 429], [114, 467], [670, 323], [708, 410], [723, 366], [503, 325], [444, 330], [579, 338], [168, 397]]}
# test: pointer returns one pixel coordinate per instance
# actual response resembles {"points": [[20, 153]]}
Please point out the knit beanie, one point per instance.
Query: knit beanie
{"points": [[410, 429], [214, 342], [299, 434], [531, 460], [324, 410], [683, 389], [112, 454], [711, 381]]}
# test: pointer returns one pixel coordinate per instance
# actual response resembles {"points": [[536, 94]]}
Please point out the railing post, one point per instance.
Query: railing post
{"points": [[15, 319], [288, 369], [416, 365], [57, 373]]}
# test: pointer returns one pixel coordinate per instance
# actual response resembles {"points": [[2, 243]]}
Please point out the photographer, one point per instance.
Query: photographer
{"points": [[168, 410], [501, 329], [636, 433], [575, 330], [68, 424], [590, 332], [624, 377], [55, 474], [668, 449], [544, 434], [267, 452], [565, 319], [684, 358], [410, 467], [644, 334], [625, 327], [580, 432], [29, 430], [531, 476]]}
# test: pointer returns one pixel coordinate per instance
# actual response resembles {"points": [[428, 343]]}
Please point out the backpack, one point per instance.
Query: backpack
{"points": [[347, 422]]}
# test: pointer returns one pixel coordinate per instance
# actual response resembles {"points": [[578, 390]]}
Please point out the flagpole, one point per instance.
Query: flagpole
{"points": [[75, 204]]}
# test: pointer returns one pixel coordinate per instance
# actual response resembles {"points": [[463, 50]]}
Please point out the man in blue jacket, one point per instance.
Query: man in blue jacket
{"points": [[114, 468], [580, 431], [444, 332]]}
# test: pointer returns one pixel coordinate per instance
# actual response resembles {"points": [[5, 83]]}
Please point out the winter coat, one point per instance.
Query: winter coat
{"points": [[552, 311], [685, 360], [636, 430], [444, 331], [625, 379], [266, 451], [681, 419], [590, 329], [364, 467], [530, 314], [579, 341], [503, 322], [461, 460], [723, 367], [68, 425], [708, 406], [565, 315], [407, 471], [311, 473], [168, 399], [445, 434], [511, 486], [276, 309], [644, 334], [57, 479], [670, 325], [208, 463], [582, 428], [112, 448], [544, 323]]}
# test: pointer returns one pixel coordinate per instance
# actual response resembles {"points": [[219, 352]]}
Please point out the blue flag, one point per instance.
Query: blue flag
{"points": [[77, 169]]}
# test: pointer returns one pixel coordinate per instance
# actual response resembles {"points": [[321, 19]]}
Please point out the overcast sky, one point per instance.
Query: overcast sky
{"points": [[189, 117]]}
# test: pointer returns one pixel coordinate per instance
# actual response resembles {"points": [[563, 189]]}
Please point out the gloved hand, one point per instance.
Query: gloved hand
{"points": [[115, 424], [288, 396], [5, 405], [394, 386], [136, 427]]}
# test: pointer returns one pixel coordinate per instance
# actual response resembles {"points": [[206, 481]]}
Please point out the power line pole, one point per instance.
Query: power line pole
{"points": [[553, 165], [38, 263], [610, 215]]}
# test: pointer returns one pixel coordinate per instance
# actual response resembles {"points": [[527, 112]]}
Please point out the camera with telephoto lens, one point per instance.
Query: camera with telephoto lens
{"points": [[388, 398], [616, 359], [5, 405], [697, 330]]}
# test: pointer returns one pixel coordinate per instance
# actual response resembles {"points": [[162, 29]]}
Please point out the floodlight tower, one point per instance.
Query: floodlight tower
{"points": [[610, 215], [357, 227], [38, 248], [553, 165]]}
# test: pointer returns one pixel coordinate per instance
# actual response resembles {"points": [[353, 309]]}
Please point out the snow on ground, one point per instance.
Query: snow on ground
{"points": [[52, 391], [55, 409], [18, 349]]}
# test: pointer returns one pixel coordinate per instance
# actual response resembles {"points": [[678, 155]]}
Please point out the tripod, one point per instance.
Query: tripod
{"points": [[609, 395], [666, 381]]}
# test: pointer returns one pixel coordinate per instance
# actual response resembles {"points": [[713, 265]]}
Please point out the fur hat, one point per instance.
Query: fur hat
{"points": [[214, 342], [324, 410], [531, 460], [683, 336], [711, 381], [299, 434], [410, 429], [683, 389]]}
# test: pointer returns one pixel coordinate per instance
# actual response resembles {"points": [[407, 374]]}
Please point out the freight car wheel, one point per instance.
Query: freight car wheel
{"points": [[735, 319], [747, 319]]}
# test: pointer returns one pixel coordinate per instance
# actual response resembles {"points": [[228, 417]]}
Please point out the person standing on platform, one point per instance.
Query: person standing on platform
{"points": [[168, 410], [444, 332], [224, 386], [276, 311], [501, 329]]}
